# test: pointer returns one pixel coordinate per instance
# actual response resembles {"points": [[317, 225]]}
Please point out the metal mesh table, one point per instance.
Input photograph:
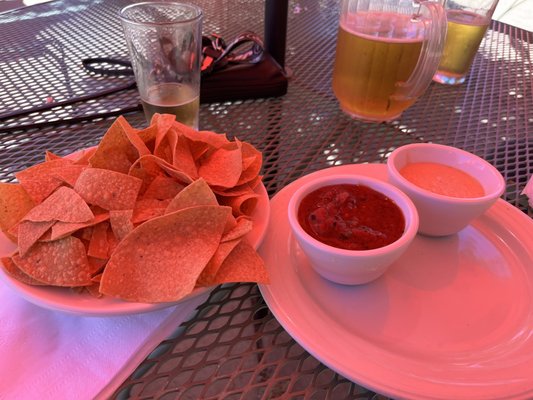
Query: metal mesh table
{"points": [[233, 347]]}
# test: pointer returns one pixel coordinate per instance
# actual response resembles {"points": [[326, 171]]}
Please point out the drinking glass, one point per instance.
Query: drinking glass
{"points": [[164, 42], [387, 53], [468, 21]]}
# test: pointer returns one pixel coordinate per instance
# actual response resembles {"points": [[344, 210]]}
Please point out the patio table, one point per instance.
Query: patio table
{"points": [[234, 347]]}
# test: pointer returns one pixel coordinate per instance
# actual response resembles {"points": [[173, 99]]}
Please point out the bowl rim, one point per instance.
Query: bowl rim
{"points": [[407, 208], [393, 170]]}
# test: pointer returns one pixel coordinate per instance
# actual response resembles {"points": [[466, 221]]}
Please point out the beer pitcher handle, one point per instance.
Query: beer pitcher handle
{"points": [[435, 25]]}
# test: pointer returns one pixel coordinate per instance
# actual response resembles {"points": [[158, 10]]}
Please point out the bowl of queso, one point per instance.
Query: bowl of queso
{"points": [[350, 227], [449, 187]]}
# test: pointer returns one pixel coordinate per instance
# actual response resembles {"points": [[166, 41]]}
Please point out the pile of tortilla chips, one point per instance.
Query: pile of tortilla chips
{"points": [[147, 216]]}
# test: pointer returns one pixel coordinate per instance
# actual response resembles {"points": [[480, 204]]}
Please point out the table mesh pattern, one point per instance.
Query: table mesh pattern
{"points": [[42, 52], [41, 60], [234, 348]]}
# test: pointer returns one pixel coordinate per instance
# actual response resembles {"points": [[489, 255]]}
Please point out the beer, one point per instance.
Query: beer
{"points": [[173, 98], [465, 32], [375, 52], [164, 40]]}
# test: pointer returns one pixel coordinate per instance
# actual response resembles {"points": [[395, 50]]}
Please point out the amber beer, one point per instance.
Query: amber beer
{"points": [[465, 32], [173, 98], [369, 65]]}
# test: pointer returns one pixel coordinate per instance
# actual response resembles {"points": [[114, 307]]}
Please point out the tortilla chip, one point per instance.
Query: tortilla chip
{"points": [[115, 151], [61, 229], [97, 266], [162, 187], [246, 188], [160, 124], [85, 233], [222, 167], [149, 166], [121, 223], [161, 259], [163, 122], [137, 142], [112, 243], [59, 263], [14, 204], [201, 141], [49, 156], [85, 156], [47, 236], [146, 209], [97, 278], [243, 264], [28, 233], [63, 205], [252, 159], [197, 193], [39, 180], [208, 275], [108, 189], [16, 273], [98, 246], [165, 144], [182, 157], [243, 226], [241, 205], [69, 174]]}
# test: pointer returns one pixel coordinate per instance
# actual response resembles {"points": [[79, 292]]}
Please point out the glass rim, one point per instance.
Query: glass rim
{"points": [[172, 4]]}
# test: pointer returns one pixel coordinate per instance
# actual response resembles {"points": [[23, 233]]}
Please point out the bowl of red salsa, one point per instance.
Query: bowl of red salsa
{"points": [[352, 227], [449, 187]]}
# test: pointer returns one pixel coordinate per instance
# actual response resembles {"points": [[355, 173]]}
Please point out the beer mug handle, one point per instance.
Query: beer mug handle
{"points": [[435, 34]]}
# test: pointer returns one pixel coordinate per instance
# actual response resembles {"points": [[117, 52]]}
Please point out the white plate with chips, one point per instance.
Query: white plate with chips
{"points": [[68, 300]]}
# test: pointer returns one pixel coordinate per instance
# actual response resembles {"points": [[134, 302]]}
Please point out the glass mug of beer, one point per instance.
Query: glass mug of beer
{"points": [[387, 53], [468, 21], [164, 41]]}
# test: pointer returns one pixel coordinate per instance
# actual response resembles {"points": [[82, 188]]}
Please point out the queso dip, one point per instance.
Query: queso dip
{"points": [[442, 179]]}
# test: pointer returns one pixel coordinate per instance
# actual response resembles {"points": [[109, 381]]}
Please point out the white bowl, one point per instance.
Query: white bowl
{"points": [[442, 215], [352, 267]]}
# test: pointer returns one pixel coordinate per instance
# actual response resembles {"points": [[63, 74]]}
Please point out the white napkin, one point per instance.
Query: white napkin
{"points": [[528, 191], [48, 354]]}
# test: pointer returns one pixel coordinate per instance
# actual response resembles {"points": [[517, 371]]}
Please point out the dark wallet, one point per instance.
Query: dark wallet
{"points": [[244, 81]]}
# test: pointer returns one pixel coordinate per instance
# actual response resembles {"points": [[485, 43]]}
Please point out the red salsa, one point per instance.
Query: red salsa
{"points": [[353, 217]]}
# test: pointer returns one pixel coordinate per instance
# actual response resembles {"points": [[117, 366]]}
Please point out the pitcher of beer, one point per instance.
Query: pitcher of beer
{"points": [[387, 53]]}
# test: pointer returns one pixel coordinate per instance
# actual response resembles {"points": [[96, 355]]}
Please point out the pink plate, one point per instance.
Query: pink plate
{"points": [[64, 299], [451, 319]]}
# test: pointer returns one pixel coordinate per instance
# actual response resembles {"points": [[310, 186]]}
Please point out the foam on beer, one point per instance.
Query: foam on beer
{"points": [[376, 25]]}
